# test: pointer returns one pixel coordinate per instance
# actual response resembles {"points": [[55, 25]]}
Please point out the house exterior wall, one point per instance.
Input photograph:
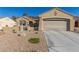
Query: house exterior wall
{"points": [[18, 24], [56, 13]]}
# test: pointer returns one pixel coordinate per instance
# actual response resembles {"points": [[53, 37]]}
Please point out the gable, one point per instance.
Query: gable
{"points": [[21, 18], [55, 12], [27, 19]]}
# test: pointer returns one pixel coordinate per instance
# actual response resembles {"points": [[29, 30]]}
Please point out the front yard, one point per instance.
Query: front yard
{"points": [[14, 42]]}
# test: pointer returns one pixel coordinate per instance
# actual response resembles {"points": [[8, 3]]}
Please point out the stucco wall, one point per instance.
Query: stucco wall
{"points": [[61, 14], [20, 19]]}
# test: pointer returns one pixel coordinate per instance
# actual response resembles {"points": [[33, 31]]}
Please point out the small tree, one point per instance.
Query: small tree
{"points": [[14, 18], [25, 14]]}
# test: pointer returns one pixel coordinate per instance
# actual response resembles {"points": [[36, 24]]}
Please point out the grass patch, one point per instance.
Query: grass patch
{"points": [[34, 40]]}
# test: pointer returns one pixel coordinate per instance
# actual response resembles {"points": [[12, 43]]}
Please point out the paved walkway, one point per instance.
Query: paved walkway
{"points": [[62, 41]]}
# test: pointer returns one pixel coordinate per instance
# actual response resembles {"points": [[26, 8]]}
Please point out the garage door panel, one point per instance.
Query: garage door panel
{"points": [[55, 25]]}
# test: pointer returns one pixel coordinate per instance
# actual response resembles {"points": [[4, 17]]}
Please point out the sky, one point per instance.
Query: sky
{"points": [[33, 11]]}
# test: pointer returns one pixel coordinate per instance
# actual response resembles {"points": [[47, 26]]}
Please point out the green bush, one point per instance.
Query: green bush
{"points": [[34, 40]]}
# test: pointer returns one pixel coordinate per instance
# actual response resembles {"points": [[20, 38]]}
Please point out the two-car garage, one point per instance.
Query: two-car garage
{"points": [[56, 19], [56, 24]]}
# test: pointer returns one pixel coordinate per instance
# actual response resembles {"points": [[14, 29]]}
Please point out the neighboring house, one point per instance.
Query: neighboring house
{"points": [[6, 22], [57, 19], [25, 23]]}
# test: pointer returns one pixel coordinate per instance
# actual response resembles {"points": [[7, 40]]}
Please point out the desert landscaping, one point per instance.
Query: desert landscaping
{"points": [[18, 42]]}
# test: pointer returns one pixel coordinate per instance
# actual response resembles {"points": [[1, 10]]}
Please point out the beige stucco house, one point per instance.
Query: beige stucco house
{"points": [[56, 19], [6, 22], [24, 23]]}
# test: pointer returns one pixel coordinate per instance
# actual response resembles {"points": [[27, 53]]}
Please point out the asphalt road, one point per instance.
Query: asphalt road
{"points": [[62, 41]]}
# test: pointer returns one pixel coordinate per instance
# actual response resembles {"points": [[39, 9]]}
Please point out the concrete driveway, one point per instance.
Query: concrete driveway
{"points": [[62, 41]]}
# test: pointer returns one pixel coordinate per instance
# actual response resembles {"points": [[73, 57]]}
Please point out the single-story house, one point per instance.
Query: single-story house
{"points": [[6, 22], [57, 19], [54, 19], [25, 23]]}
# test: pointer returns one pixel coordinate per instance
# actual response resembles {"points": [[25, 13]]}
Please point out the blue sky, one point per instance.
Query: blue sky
{"points": [[33, 11]]}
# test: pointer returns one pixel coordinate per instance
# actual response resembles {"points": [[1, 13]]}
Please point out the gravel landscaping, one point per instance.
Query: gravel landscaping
{"points": [[13, 42]]}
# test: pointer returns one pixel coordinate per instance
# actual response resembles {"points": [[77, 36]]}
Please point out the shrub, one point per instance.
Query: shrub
{"points": [[34, 40], [19, 34], [14, 31], [36, 32]]}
